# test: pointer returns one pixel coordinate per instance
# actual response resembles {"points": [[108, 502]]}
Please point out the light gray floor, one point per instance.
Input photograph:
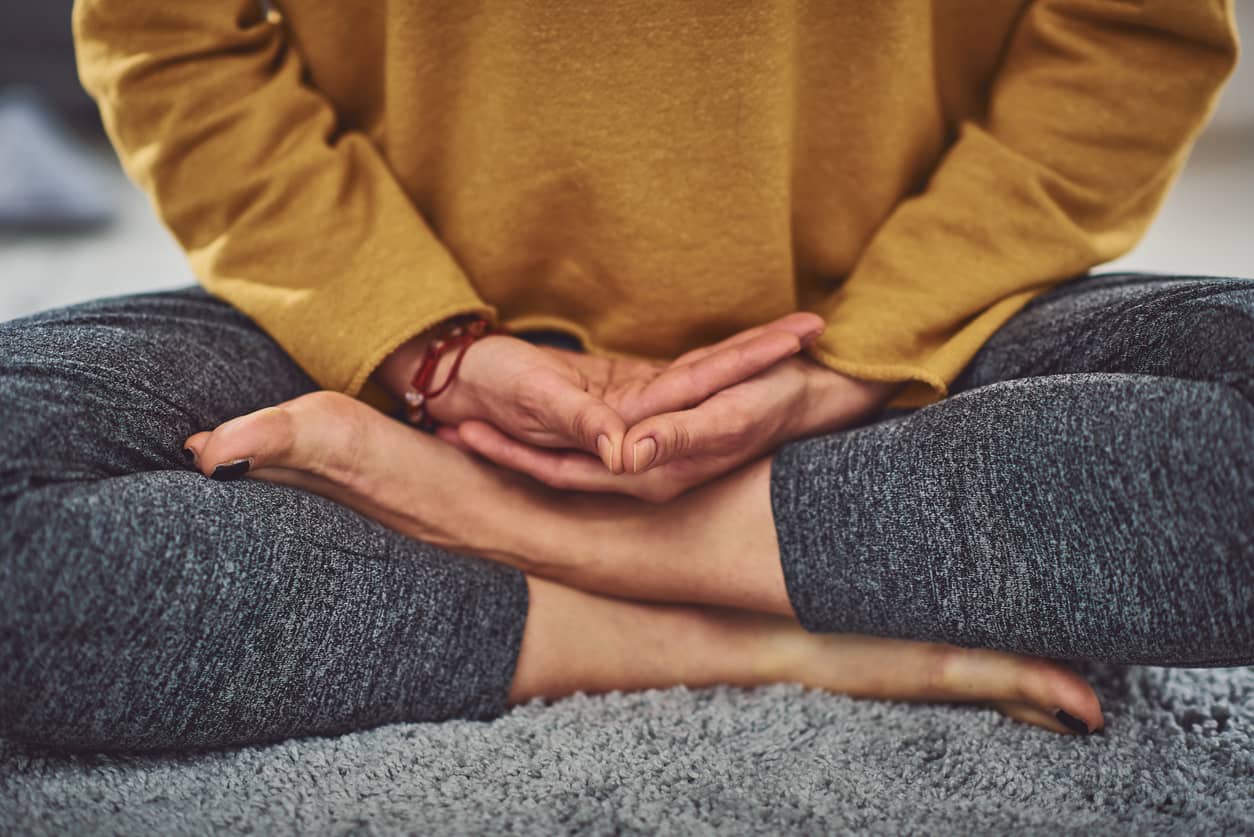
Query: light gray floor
{"points": [[135, 253], [1207, 224]]}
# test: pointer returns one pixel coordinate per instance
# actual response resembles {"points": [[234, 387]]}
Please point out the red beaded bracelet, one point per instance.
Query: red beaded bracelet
{"points": [[420, 391]]}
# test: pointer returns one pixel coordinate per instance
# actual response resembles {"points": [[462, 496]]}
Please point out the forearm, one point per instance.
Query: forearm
{"points": [[283, 209], [1088, 119]]}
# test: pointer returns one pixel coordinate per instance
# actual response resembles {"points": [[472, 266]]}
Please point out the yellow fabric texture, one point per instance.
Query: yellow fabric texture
{"points": [[652, 175]]}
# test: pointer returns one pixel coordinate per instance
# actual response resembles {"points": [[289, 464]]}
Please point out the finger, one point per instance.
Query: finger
{"points": [[805, 325], [687, 385], [569, 470], [588, 423], [714, 427]]}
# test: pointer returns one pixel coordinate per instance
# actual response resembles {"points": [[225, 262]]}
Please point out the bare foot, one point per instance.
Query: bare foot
{"points": [[330, 444], [580, 641], [1028, 689]]}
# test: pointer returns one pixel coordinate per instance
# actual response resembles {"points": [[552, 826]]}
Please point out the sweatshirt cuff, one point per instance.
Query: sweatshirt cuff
{"points": [[913, 355]]}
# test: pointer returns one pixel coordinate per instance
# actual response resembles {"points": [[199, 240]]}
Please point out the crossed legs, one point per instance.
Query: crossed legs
{"points": [[150, 608], [624, 594], [1083, 496]]}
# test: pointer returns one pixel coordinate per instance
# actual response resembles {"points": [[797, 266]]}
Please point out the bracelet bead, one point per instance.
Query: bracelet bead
{"points": [[421, 390]]}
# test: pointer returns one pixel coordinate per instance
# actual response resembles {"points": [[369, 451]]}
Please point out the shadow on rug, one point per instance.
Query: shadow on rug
{"points": [[1177, 755]]}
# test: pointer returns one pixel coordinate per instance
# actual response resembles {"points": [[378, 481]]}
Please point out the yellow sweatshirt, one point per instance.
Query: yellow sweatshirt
{"points": [[652, 175]]}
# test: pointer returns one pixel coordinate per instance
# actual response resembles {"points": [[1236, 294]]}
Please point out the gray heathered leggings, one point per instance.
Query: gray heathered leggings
{"points": [[1086, 493]]}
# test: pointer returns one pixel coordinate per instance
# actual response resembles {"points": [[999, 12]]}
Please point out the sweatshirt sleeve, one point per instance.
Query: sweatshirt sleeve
{"points": [[1090, 117], [283, 213]]}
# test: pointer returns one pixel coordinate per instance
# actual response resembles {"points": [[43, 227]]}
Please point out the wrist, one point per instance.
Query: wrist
{"points": [[834, 400], [462, 399], [399, 369]]}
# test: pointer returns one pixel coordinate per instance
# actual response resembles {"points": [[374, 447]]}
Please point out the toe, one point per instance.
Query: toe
{"points": [[194, 445], [1057, 697], [1056, 689], [318, 433], [1026, 714], [260, 439]]}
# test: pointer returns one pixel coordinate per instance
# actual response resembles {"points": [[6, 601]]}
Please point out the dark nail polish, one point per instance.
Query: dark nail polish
{"points": [[231, 470], [189, 455], [1071, 722]]}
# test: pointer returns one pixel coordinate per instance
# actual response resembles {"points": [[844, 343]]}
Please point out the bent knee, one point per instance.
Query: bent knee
{"points": [[1201, 330]]}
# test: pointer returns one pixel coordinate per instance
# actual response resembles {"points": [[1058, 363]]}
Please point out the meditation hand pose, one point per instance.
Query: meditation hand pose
{"points": [[796, 371]]}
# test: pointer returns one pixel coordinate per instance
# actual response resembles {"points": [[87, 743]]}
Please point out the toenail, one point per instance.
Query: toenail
{"points": [[1071, 722], [232, 470]]}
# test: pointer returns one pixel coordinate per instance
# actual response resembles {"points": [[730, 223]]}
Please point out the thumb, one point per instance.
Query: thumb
{"points": [[539, 398], [590, 424], [714, 428]]}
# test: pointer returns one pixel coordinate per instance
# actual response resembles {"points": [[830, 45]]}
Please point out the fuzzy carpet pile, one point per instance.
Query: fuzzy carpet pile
{"points": [[1177, 756]]}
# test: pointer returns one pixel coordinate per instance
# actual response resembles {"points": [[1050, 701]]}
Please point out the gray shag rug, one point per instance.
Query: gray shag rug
{"points": [[1177, 756]]}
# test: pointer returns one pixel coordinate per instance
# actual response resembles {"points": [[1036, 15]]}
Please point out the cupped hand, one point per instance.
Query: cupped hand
{"points": [[548, 398], [667, 453]]}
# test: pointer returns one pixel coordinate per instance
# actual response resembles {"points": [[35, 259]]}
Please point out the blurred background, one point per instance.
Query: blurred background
{"points": [[73, 228]]}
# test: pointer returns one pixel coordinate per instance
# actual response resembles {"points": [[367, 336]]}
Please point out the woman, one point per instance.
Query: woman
{"points": [[841, 421]]}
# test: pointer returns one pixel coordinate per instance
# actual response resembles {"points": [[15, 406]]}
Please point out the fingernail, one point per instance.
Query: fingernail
{"points": [[605, 449], [811, 336], [189, 455], [231, 470], [1071, 722], [642, 454]]}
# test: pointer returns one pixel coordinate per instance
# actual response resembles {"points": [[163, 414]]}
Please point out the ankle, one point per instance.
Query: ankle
{"points": [[536, 530], [783, 652], [756, 649], [584, 540]]}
